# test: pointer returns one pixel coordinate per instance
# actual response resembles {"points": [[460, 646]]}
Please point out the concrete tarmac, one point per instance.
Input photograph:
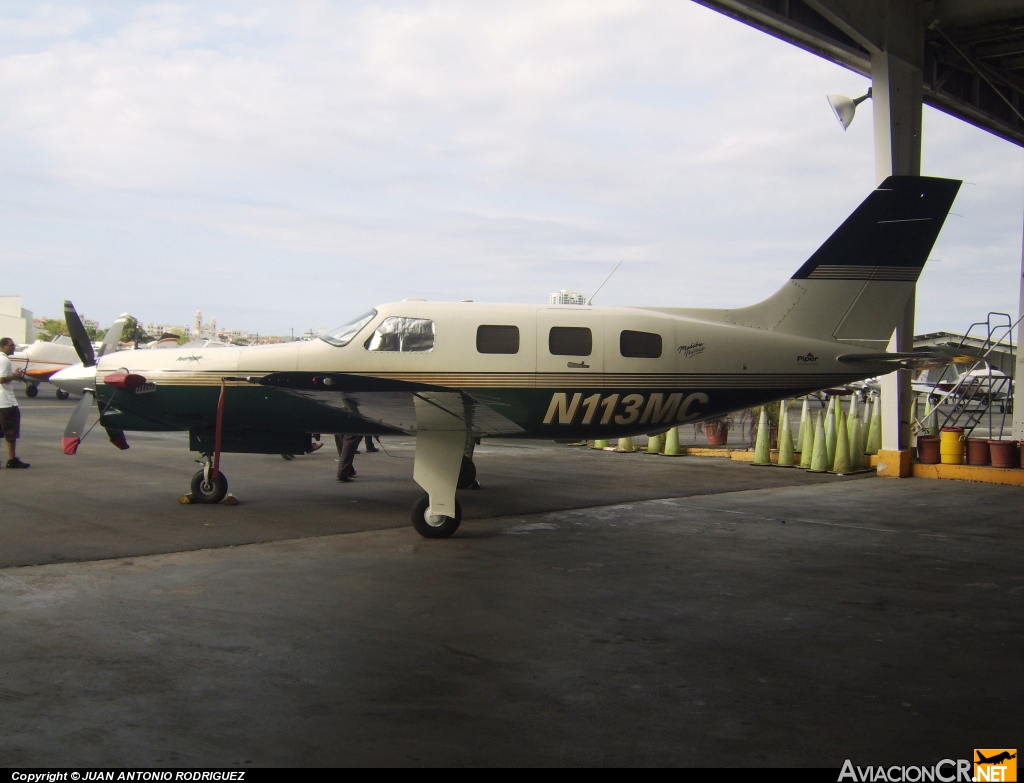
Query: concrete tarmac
{"points": [[594, 609]]}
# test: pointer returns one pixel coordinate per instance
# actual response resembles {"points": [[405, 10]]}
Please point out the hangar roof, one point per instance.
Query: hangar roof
{"points": [[971, 52]]}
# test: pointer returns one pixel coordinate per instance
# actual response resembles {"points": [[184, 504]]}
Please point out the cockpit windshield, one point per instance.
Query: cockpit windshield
{"points": [[344, 334]]}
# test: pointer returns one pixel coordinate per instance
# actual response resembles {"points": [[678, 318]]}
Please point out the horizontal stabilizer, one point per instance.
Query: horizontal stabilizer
{"points": [[915, 360]]}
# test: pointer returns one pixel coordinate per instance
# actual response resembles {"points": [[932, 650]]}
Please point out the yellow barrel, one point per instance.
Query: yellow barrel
{"points": [[951, 445]]}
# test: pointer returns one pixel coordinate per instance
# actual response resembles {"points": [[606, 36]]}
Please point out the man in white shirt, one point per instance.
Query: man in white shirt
{"points": [[10, 413]]}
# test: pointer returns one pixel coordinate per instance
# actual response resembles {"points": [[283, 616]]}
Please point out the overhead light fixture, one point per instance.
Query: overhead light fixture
{"points": [[845, 108]]}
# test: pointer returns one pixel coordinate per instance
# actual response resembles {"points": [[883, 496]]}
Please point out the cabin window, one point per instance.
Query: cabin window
{"points": [[570, 341], [345, 333], [640, 345], [497, 339], [408, 335]]}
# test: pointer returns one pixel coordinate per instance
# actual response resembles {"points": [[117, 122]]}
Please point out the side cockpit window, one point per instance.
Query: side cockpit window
{"points": [[497, 339], [407, 335]]}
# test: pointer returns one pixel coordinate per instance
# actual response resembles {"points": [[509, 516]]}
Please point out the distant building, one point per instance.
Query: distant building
{"points": [[157, 330], [88, 323], [201, 331], [15, 321], [567, 297], [230, 335]]}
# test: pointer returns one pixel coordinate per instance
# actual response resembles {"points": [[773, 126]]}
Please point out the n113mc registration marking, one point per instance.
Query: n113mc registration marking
{"points": [[643, 409]]}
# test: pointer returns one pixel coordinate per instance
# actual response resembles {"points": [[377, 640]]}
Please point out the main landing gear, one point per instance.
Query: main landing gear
{"points": [[31, 390], [62, 395], [434, 526]]}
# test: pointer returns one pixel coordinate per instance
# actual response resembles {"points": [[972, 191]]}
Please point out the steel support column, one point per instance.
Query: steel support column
{"points": [[1018, 376], [896, 91]]}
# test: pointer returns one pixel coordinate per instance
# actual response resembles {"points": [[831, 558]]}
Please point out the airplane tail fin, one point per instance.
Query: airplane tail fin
{"points": [[854, 287]]}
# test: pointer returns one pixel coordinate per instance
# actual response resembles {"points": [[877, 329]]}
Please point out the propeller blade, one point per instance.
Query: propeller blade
{"points": [[80, 338], [75, 430], [113, 336]]}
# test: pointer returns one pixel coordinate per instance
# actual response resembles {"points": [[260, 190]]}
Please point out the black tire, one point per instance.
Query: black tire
{"points": [[429, 530], [212, 492], [467, 474], [62, 395], [287, 457], [31, 390]]}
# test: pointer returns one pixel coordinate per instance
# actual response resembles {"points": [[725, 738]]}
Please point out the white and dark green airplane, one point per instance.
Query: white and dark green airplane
{"points": [[452, 372]]}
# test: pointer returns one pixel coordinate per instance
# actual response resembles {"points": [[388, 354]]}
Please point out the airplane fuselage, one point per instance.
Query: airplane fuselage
{"points": [[519, 370]]}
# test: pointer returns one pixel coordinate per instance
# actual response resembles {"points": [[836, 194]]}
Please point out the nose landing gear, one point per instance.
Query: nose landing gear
{"points": [[431, 526], [207, 488]]}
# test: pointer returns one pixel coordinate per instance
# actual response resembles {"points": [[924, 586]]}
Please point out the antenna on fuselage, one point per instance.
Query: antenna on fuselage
{"points": [[616, 269]]}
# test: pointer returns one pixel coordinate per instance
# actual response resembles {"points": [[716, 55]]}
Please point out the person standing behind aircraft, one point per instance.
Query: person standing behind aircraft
{"points": [[10, 413], [347, 445]]}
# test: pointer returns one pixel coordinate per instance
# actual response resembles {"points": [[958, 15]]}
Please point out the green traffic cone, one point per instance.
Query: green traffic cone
{"points": [[655, 443], [601, 443], [819, 460], [851, 417], [800, 434], [762, 446], [786, 457], [875, 429], [807, 445], [857, 445], [931, 418], [830, 434], [672, 443], [842, 462], [625, 446]]}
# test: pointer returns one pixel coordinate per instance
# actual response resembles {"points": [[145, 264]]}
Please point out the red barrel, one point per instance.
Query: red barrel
{"points": [[928, 449], [978, 452], [1005, 453]]}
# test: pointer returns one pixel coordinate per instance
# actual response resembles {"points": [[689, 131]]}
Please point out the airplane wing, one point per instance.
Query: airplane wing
{"points": [[392, 403]]}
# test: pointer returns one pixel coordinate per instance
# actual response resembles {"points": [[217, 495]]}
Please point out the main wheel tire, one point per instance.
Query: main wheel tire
{"points": [[62, 395], [434, 527], [209, 492], [31, 390], [467, 474]]}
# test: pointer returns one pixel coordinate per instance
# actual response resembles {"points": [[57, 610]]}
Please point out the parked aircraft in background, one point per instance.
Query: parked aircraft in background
{"points": [[452, 372], [43, 359]]}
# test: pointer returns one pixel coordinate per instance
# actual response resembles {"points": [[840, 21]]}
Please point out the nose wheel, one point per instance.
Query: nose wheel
{"points": [[431, 526], [62, 395], [209, 489]]}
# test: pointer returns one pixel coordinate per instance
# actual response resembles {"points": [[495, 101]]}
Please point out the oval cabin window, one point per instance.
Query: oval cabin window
{"points": [[570, 341], [640, 345], [497, 339]]}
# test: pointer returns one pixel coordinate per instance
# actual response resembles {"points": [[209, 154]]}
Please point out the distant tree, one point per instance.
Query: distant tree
{"points": [[133, 331], [52, 328]]}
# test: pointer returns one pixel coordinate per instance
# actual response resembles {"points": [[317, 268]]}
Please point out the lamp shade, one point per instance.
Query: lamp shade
{"points": [[844, 109]]}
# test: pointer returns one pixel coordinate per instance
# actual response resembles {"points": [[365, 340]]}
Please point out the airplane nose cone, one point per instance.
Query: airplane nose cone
{"points": [[75, 379]]}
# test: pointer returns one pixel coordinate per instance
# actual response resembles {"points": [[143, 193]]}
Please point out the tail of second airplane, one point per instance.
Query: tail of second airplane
{"points": [[854, 288]]}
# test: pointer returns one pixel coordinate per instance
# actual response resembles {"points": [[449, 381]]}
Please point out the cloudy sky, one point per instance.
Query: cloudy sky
{"points": [[287, 165]]}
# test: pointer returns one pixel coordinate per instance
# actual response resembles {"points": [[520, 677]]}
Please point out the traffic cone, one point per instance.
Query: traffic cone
{"points": [[600, 443], [655, 443], [830, 433], [851, 416], [875, 428], [786, 458], [931, 418], [819, 460], [857, 445], [807, 445], [763, 446], [625, 446], [842, 462], [672, 443], [800, 430]]}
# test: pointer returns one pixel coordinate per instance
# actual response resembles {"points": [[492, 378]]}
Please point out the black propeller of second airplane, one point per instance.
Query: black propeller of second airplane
{"points": [[75, 432]]}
